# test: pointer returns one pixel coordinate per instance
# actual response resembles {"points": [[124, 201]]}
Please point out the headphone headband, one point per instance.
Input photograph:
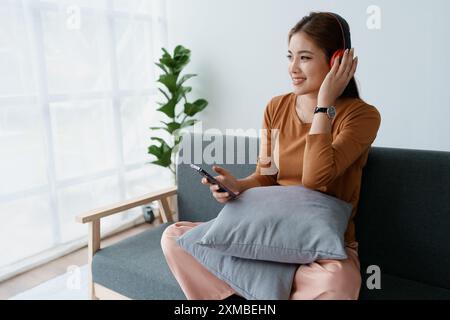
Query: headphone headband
{"points": [[340, 21]]}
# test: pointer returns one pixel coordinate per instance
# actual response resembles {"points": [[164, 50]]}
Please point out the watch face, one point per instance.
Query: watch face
{"points": [[331, 111]]}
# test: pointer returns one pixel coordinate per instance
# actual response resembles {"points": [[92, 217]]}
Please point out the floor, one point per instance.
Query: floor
{"points": [[34, 277], [68, 286]]}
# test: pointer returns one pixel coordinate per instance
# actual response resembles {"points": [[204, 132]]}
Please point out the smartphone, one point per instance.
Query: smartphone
{"points": [[213, 180]]}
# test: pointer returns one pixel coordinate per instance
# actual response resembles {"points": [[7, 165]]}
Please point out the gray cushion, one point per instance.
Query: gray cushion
{"points": [[253, 279], [290, 224], [136, 268]]}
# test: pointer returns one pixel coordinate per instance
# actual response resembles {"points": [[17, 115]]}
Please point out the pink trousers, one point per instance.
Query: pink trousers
{"points": [[322, 279]]}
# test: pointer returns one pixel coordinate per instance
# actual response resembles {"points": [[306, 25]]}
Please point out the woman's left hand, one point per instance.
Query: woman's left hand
{"points": [[337, 79]]}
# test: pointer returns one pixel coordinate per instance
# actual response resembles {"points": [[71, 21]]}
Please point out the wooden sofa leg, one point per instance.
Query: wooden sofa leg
{"points": [[91, 290], [165, 212], [93, 247]]}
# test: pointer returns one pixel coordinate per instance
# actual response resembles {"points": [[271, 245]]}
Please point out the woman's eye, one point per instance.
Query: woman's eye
{"points": [[301, 58]]}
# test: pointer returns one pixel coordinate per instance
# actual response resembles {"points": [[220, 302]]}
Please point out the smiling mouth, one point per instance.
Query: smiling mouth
{"points": [[297, 81]]}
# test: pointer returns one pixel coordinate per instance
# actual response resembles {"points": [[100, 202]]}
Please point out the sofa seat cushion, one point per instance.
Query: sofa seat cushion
{"points": [[136, 268], [397, 288]]}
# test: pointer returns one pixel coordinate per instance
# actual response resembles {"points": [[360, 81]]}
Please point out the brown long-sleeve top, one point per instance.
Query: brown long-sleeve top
{"points": [[328, 162]]}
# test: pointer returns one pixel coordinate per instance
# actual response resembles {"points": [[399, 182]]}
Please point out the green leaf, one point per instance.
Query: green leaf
{"points": [[159, 140], [164, 93], [192, 108], [163, 68], [180, 64], [188, 123], [167, 60], [183, 90], [181, 57], [154, 150], [162, 163], [163, 152], [170, 81], [172, 126], [165, 160], [184, 78], [181, 51], [169, 108]]}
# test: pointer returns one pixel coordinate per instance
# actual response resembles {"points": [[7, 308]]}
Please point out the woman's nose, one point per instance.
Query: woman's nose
{"points": [[294, 66]]}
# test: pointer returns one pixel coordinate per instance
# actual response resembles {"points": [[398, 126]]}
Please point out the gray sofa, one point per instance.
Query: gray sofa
{"points": [[403, 227]]}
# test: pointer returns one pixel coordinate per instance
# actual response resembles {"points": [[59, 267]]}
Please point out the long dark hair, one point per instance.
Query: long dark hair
{"points": [[323, 28]]}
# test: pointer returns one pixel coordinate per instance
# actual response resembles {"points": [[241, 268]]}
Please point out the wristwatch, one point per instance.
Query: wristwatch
{"points": [[330, 111]]}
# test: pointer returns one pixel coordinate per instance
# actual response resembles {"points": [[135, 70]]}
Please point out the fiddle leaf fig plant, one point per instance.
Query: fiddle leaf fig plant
{"points": [[174, 90]]}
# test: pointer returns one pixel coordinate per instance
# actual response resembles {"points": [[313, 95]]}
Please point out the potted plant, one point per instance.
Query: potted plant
{"points": [[174, 91]]}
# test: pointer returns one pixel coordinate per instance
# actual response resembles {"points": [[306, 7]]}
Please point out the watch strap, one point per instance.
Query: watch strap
{"points": [[320, 109]]}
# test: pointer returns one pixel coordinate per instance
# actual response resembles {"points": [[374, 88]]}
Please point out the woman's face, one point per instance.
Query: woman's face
{"points": [[308, 64]]}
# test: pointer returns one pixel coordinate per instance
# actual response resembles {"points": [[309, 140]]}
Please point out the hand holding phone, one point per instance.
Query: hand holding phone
{"points": [[222, 188]]}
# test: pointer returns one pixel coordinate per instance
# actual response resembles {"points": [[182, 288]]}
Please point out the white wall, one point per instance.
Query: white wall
{"points": [[239, 51]]}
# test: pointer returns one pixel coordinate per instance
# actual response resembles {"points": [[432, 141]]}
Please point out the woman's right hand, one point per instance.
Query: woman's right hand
{"points": [[226, 178]]}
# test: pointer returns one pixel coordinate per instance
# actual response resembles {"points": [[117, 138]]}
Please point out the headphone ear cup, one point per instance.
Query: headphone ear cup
{"points": [[336, 55]]}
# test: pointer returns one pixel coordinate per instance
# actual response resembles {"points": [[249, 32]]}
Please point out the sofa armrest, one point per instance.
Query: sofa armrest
{"points": [[92, 218], [160, 195]]}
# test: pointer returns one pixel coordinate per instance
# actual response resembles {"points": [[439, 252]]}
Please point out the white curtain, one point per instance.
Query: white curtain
{"points": [[77, 96]]}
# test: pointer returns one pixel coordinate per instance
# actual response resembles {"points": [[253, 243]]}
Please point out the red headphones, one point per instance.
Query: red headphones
{"points": [[337, 54], [340, 52]]}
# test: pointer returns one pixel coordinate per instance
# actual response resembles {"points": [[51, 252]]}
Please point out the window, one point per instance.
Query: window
{"points": [[77, 96]]}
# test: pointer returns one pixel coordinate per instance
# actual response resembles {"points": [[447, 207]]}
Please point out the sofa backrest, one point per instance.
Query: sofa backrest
{"points": [[403, 217], [195, 202]]}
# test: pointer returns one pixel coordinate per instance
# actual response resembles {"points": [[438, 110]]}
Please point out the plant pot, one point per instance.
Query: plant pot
{"points": [[148, 212]]}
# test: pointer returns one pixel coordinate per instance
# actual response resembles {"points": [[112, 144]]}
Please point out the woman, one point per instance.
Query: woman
{"points": [[325, 132]]}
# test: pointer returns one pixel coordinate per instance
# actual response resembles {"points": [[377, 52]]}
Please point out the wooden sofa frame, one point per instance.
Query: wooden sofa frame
{"points": [[92, 218]]}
